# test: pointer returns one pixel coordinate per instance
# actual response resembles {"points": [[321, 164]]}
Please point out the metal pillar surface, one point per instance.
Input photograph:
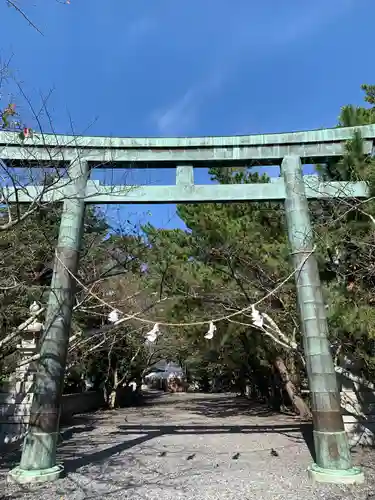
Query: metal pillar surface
{"points": [[38, 461], [333, 458]]}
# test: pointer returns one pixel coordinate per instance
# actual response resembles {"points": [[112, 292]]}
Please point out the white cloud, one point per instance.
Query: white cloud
{"points": [[180, 115]]}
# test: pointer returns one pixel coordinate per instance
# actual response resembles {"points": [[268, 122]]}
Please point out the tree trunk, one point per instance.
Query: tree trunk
{"points": [[276, 399], [298, 403], [112, 398], [292, 368]]}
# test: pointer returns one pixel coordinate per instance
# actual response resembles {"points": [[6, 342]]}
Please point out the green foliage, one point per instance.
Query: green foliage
{"points": [[232, 255], [351, 286]]}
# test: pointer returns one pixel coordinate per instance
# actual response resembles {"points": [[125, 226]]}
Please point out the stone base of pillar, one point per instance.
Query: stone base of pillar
{"points": [[21, 476], [348, 476]]}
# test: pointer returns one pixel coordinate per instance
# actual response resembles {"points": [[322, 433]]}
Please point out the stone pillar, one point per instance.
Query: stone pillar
{"points": [[17, 394]]}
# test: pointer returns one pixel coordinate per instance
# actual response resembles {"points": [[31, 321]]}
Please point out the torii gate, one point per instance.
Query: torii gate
{"points": [[290, 150]]}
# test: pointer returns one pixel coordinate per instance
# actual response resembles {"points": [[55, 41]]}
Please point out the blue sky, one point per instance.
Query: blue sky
{"points": [[197, 67]]}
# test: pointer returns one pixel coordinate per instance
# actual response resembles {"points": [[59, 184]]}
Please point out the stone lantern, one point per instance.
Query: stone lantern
{"points": [[29, 333], [16, 402]]}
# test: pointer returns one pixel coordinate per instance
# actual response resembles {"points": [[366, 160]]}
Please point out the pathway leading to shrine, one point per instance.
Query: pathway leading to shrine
{"points": [[187, 446]]}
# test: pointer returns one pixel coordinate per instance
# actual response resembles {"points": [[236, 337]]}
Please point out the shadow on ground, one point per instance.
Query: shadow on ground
{"points": [[232, 406], [70, 429], [94, 444], [77, 425], [144, 433], [75, 437]]}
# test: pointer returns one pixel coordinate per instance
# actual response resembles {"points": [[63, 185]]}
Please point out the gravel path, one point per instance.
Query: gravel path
{"points": [[191, 447]]}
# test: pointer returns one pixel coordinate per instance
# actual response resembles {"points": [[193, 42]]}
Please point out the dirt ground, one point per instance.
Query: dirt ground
{"points": [[188, 446]]}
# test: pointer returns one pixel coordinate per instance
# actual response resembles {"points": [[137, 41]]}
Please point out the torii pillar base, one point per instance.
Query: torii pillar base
{"points": [[348, 476], [22, 476]]}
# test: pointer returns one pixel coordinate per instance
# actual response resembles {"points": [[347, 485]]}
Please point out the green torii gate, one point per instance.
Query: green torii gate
{"points": [[290, 150]]}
